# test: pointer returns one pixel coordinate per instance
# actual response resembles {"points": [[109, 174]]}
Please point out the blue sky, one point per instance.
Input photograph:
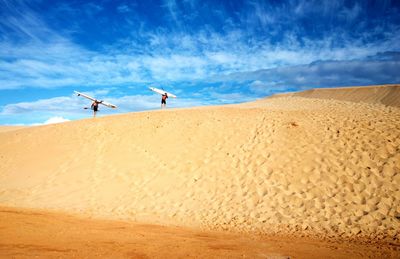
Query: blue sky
{"points": [[206, 52]]}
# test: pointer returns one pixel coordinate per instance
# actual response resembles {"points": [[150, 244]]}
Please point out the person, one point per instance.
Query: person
{"points": [[95, 107], [164, 100]]}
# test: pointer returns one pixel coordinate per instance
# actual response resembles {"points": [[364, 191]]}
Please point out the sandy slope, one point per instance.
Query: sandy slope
{"points": [[293, 165]]}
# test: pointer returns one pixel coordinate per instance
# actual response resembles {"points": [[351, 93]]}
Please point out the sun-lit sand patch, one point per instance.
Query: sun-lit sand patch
{"points": [[293, 165]]}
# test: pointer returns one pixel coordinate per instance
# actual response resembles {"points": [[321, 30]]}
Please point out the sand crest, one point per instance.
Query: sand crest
{"points": [[378, 94]]}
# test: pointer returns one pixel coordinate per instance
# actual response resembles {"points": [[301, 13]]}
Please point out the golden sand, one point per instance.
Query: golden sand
{"points": [[322, 167]]}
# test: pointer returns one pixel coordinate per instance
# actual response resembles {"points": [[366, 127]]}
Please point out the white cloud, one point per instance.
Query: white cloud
{"points": [[56, 119]]}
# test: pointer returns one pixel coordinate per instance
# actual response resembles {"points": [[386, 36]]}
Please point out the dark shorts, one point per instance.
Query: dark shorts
{"points": [[163, 102], [95, 108]]}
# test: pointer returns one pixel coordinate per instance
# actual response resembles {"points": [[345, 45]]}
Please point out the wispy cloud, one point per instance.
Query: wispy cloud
{"points": [[50, 59], [123, 8], [214, 52], [172, 9]]}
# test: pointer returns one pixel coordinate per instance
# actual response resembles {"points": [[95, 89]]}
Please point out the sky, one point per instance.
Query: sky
{"points": [[205, 52]]}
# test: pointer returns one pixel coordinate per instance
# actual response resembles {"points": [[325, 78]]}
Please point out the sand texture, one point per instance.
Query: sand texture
{"points": [[294, 165]]}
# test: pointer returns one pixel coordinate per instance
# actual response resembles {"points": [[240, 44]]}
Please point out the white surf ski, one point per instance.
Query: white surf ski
{"points": [[95, 100], [159, 91]]}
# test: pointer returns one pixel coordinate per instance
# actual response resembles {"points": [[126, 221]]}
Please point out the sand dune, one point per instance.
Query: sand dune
{"points": [[385, 94], [303, 166]]}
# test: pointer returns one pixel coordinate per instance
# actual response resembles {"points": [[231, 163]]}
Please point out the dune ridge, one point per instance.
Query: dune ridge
{"points": [[302, 166], [383, 94]]}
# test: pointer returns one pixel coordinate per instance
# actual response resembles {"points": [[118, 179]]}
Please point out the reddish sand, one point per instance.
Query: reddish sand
{"points": [[30, 233]]}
